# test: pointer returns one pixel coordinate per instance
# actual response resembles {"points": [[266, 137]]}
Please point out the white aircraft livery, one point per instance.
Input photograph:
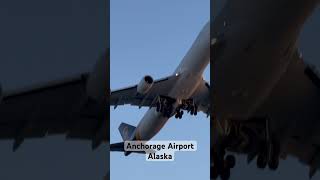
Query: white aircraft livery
{"points": [[184, 90]]}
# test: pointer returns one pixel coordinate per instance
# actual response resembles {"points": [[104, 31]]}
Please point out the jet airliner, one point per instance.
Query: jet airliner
{"points": [[184, 90]]}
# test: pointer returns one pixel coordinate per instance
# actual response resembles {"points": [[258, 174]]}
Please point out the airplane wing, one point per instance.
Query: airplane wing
{"points": [[293, 109], [295, 100], [306, 153], [130, 95], [65, 106]]}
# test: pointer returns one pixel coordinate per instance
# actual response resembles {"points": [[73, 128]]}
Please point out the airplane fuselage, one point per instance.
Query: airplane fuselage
{"points": [[189, 74]]}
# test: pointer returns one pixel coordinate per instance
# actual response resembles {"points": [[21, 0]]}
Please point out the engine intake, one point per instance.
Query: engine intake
{"points": [[145, 85]]}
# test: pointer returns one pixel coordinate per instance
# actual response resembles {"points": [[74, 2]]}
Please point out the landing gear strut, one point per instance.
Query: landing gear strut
{"points": [[269, 152], [190, 106], [222, 166], [164, 105], [223, 163]]}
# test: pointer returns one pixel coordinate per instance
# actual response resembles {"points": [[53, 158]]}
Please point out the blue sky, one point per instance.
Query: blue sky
{"points": [[151, 37]]}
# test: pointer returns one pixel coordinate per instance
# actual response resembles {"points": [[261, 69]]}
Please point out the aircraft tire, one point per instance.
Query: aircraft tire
{"points": [[181, 114], [274, 156], [191, 111], [262, 161], [273, 164], [177, 116]]}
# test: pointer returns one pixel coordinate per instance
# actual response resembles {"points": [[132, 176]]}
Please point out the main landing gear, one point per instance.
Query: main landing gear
{"points": [[268, 151], [268, 155], [165, 105], [179, 114], [190, 106], [252, 137], [222, 165]]}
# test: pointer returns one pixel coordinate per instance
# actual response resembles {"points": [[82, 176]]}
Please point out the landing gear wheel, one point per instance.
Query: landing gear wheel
{"points": [[262, 161], [195, 110], [191, 112], [274, 156], [230, 161], [273, 164], [177, 116], [180, 114]]}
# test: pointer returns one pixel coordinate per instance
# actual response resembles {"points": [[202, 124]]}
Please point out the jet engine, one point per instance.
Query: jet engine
{"points": [[145, 84]]}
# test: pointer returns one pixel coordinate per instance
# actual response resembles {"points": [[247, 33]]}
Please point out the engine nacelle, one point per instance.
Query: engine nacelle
{"points": [[145, 85]]}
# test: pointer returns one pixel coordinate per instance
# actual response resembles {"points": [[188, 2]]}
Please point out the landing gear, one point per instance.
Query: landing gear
{"points": [[222, 163], [273, 162], [179, 114], [165, 106], [194, 110], [269, 152], [222, 167], [269, 155], [190, 106], [262, 161]]}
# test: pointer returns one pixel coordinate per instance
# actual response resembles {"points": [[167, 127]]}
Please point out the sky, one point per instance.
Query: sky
{"points": [[44, 40], [151, 37]]}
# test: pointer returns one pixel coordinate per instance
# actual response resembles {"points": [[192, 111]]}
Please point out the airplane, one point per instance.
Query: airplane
{"points": [[265, 97], [74, 106], [184, 90]]}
